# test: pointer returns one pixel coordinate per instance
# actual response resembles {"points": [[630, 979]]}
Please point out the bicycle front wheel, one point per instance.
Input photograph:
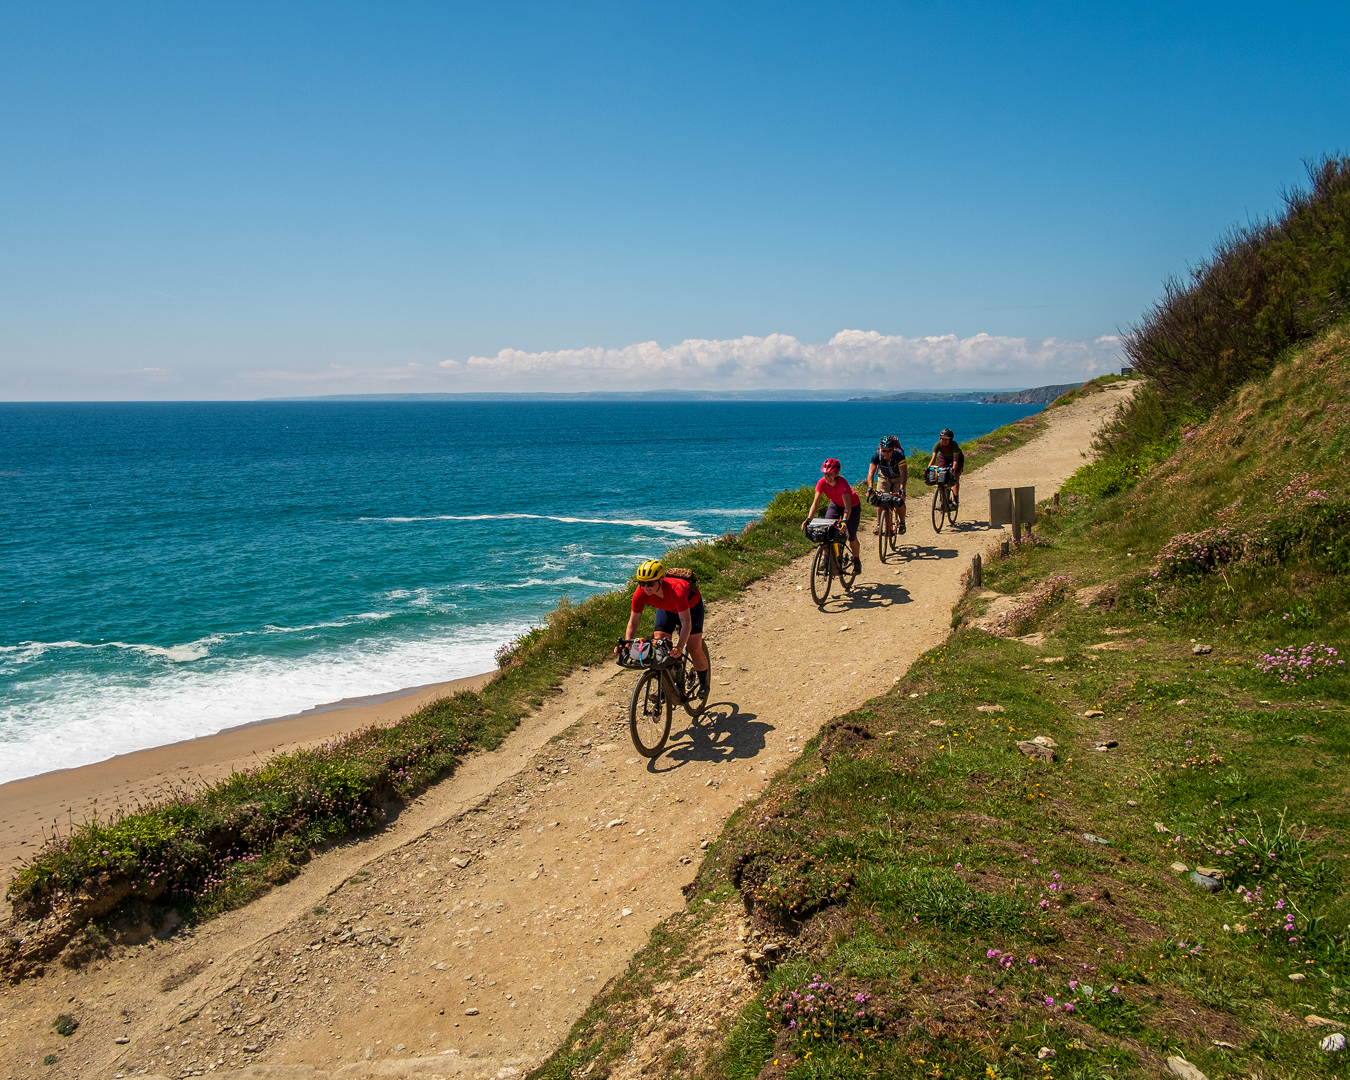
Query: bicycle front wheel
{"points": [[649, 715], [821, 574], [695, 697], [939, 507], [883, 522], [848, 566]]}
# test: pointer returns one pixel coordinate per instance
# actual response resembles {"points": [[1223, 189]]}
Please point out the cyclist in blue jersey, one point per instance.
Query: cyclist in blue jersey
{"points": [[891, 471]]}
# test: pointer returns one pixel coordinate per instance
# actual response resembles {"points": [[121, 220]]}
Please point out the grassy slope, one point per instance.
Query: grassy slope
{"points": [[945, 877]]}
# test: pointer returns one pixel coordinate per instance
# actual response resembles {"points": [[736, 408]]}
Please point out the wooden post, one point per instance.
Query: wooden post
{"points": [[1017, 531], [976, 572], [1003, 549], [1056, 498]]}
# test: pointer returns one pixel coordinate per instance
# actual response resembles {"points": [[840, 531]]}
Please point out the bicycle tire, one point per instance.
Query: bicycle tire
{"points": [[894, 538], [822, 575], [939, 508], [883, 520], [649, 714], [847, 567], [951, 509], [697, 700]]}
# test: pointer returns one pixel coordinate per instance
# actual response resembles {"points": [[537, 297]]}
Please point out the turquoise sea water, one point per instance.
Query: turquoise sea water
{"points": [[169, 570]]}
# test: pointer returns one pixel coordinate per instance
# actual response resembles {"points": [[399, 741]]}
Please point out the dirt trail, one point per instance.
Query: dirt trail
{"points": [[465, 938]]}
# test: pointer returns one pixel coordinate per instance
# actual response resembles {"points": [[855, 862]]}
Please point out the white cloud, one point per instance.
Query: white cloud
{"points": [[852, 358]]}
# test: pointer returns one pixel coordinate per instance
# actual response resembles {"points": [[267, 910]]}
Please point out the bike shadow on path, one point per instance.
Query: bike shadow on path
{"points": [[723, 733], [909, 553], [867, 594]]}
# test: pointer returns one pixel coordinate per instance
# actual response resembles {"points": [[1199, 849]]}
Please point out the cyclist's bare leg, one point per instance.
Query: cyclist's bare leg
{"points": [[696, 653]]}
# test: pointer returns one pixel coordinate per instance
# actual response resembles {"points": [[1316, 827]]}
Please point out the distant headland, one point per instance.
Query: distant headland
{"points": [[1037, 395]]}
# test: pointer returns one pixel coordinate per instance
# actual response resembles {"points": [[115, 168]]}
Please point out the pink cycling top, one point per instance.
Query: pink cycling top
{"points": [[838, 493]]}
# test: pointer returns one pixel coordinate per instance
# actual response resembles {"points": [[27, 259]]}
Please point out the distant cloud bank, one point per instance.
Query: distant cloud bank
{"points": [[852, 359], [861, 358]]}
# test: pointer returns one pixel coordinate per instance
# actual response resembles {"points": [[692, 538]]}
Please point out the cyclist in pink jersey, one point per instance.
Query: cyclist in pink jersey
{"points": [[843, 504]]}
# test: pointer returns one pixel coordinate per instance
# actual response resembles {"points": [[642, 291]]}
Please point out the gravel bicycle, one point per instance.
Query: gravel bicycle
{"points": [[665, 682], [944, 503], [833, 559], [888, 506]]}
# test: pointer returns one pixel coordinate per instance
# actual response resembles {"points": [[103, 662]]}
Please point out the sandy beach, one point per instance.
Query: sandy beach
{"points": [[36, 806]]}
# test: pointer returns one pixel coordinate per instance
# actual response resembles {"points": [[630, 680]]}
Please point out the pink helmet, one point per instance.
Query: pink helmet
{"points": [[831, 465]]}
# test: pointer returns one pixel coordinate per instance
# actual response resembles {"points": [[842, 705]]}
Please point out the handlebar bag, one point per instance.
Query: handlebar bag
{"points": [[822, 529]]}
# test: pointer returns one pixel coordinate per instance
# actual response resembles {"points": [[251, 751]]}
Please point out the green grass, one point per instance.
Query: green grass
{"points": [[946, 878]]}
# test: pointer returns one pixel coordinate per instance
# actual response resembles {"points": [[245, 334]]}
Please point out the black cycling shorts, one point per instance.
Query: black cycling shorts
{"points": [[668, 622], [835, 511]]}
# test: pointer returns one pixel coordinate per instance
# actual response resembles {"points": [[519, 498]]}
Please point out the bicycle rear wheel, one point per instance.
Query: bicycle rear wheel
{"points": [[649, 715], [848, 566], [822, 573], [893, 541], [951, 508], [939, 507], [695, 697]]}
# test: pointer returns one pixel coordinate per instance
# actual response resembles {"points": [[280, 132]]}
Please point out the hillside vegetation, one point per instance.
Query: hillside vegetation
{"points": [[925, 898], [1267, 287]]}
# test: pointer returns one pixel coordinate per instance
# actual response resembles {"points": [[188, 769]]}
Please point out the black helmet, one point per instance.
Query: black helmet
{"points": [[888, 442], [947, 433]]}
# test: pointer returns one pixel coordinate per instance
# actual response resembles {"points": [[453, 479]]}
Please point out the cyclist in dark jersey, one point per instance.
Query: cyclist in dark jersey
{"points": [[947, 453], [891, 470]]}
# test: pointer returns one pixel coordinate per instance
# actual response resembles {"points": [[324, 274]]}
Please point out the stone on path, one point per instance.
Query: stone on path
{"points": [[1313, 1020], [1045, 740], [1201, 650], [1333, 1044], [1093, 712], [990, 708], [1180, 868]]}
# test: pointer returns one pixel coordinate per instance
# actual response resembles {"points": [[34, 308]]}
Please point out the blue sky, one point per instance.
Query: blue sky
{"points": [[243, 200]]}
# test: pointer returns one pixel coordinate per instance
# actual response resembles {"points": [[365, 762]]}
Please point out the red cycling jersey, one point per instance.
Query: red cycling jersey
{"points": [[676, 595]]}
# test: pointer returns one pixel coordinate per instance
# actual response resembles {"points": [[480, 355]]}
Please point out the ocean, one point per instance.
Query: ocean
{"points": [[170, 570]]}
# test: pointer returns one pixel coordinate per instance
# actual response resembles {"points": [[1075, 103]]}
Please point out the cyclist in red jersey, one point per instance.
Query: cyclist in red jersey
{"points": [[679, 608]]}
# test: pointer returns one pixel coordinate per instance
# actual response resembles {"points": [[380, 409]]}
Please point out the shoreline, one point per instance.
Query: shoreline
{"points": [[33, 807]]}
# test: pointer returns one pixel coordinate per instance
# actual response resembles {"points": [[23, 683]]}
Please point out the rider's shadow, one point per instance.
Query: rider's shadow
{"points": [[723, 733], [926, 551], [880, 594]]}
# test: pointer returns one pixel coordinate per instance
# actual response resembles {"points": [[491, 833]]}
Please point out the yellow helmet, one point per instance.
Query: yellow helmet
{"points": [[650, 570]]}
